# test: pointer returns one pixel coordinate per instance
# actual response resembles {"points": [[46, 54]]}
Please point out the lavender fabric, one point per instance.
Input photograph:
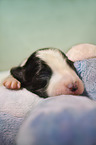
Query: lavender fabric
{"points": [[86, 69], [9, 126], [80, 131], [61, 120]]}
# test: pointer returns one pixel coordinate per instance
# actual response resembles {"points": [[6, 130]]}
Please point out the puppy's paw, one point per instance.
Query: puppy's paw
{"points": [[12, 83]]}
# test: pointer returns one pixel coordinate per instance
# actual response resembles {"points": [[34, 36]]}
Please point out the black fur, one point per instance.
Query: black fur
{"points": [[69, 62], [35, 74]]}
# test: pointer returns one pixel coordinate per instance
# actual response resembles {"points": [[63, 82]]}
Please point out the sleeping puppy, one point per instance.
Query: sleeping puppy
{"points": [[47, 72]]}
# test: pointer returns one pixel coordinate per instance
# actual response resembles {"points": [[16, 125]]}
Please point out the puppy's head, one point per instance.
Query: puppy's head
{"points": [[48, 72]]}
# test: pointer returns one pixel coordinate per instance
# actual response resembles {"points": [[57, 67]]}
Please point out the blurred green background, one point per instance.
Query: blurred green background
{"points": [[26, 25]]}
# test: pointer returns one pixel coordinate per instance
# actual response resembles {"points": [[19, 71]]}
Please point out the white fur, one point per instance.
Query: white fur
{"points": [[53, 58], [63, 75]]}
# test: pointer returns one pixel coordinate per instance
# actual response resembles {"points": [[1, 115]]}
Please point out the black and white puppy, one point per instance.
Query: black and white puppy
{"points": [[48, 72]]}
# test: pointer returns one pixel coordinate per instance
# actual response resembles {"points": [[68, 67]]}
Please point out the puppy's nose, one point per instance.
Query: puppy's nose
{"points": [[73, 87]]}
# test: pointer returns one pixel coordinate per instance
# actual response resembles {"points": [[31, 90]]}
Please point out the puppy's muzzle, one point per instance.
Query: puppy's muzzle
{"points": [[73, 87]]}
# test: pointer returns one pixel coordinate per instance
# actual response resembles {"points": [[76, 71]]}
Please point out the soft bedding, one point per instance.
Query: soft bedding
{"points": [[86, 70], [64, 127]]}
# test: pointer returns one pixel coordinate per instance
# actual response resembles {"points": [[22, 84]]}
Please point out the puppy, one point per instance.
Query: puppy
{"points": [[47, 72]]}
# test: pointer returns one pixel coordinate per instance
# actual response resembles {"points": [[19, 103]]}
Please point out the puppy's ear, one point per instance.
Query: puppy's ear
{"points": [[18, 73], [70, 63]]}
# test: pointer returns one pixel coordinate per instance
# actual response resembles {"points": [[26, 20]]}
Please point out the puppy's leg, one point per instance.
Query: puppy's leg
{"points": [[11, 83]]}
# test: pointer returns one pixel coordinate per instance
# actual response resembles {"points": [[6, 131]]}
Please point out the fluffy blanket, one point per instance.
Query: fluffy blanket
{"points": [[14, 106], [70, 121], [86, 70]]}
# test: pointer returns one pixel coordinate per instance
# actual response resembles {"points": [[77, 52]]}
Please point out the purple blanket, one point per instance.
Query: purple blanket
{"points": [[81, 131], [86, 70]]}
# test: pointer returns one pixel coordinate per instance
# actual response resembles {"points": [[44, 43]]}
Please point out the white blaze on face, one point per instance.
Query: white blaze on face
{"points": [[63, 75]]}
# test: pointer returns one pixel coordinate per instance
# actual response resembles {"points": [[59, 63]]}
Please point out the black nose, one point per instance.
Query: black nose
{"points": [[73, 87]]}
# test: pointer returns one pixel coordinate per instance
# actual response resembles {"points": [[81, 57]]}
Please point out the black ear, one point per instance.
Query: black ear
{"points": [[70, 63], [18, 73]]}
